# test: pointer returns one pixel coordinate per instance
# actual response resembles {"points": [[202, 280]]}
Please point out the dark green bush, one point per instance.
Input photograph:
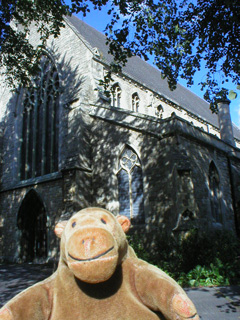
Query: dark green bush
{"points": [[195, 259]]}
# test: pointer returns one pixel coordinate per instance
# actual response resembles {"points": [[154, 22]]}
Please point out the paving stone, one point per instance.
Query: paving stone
{"points": [[216, 303]]}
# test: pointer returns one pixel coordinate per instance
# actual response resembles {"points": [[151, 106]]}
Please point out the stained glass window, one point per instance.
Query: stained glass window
{"points": [[130, 186], [39, 149]]}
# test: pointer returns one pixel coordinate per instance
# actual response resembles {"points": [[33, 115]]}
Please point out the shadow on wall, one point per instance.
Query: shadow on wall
{"points": [[185, 183], [118, 160], [25, 146]]}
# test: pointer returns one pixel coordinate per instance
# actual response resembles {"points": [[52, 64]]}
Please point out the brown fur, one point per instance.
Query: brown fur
{"points": [[100, 278]]}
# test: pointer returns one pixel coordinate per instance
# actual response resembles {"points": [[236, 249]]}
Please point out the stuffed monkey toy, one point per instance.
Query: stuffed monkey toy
{"points": [[99, 277]]}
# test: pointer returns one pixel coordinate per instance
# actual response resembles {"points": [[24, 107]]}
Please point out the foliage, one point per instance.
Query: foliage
{"points": [[179, 34], [203, 276], [19, 58], [196, 259]]}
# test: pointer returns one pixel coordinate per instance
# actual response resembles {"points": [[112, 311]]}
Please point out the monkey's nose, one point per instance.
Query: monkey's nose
{"points": [[88, 244]]}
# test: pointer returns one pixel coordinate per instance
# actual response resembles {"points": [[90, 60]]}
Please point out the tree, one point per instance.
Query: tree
{"points": [[18, 58], [180, 35]]}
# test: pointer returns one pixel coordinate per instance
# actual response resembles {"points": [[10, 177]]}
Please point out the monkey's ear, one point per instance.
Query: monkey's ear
{"points": [[60, 226], [124, 222]]}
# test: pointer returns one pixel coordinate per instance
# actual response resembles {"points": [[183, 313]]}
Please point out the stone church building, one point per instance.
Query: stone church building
{"points": [[159, 157]]}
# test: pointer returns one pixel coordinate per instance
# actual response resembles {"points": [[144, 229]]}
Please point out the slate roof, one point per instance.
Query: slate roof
{"points": [[147, 75]]}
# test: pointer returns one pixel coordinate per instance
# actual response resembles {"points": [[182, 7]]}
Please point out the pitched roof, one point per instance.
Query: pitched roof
{"points": [[147, 75]]}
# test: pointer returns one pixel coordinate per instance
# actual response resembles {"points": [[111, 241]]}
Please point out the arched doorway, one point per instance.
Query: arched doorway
{"points": [[32, 222]]}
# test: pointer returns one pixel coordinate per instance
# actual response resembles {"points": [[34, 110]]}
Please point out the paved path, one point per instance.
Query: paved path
{"points": [[15, 278], [218, 303]]}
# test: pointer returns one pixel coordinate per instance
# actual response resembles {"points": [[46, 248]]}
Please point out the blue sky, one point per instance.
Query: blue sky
{"points": [[99, 19]]}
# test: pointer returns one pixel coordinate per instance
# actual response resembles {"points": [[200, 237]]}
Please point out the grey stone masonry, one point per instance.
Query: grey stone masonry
{"points": [[225, 123], [186, 177]]}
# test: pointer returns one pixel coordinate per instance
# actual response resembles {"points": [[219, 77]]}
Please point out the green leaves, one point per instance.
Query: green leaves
{"points": [[182, 36], [19, 58], [204, 276], [198, 259], [232, 95]]}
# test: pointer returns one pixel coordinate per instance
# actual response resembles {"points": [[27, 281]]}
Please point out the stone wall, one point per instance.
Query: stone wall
{"points": [[165, 155], [174, 154], [69, 189], [10, 201], [149, 101]]}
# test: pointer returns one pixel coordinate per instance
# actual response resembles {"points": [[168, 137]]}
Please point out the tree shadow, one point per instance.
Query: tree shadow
{"points": [[174, 156], [231, 295], [16, 278]]}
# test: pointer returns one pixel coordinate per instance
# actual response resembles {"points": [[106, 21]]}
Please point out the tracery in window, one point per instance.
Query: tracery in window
{"points": [[39, 149], [116, 95], [135, 102], [130, 186], [214, 185]]}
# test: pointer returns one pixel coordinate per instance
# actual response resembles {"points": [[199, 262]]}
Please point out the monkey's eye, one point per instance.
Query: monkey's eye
{"points": [[103, 221], [74, 224]]}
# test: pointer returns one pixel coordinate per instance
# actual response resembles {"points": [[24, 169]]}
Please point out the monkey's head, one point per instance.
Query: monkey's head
{"points": [[93, 243]]}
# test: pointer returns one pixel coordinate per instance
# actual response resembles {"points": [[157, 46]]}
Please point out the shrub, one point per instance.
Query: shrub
{"points": [[195, 259]]}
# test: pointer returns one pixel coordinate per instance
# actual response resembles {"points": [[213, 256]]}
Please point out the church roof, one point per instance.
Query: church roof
{"points": [[147, 75]]}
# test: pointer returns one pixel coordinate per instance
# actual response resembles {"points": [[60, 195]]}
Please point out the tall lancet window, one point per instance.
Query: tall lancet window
{"points": [[214, 185], [135, 102], [39, 149], [116, 95], [130, 186]]}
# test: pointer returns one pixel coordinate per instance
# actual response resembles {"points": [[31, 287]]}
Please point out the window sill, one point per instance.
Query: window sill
{"points": [[40, 179], [34, 181]]}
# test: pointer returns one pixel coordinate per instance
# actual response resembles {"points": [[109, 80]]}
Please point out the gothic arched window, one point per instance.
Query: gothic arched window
{"points": [[116, 95], [135, 102], [214, 185], [159, 111], [130, 186], [39, 149]]}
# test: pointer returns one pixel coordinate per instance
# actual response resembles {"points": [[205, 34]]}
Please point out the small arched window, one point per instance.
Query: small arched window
{"points": [[135, 102], [215, 196], [39, 148], [159, 111], [116, 95], [130, 186]]}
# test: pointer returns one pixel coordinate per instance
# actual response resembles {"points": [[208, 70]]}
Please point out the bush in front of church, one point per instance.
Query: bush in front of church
{"points": [[193, 258]]}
